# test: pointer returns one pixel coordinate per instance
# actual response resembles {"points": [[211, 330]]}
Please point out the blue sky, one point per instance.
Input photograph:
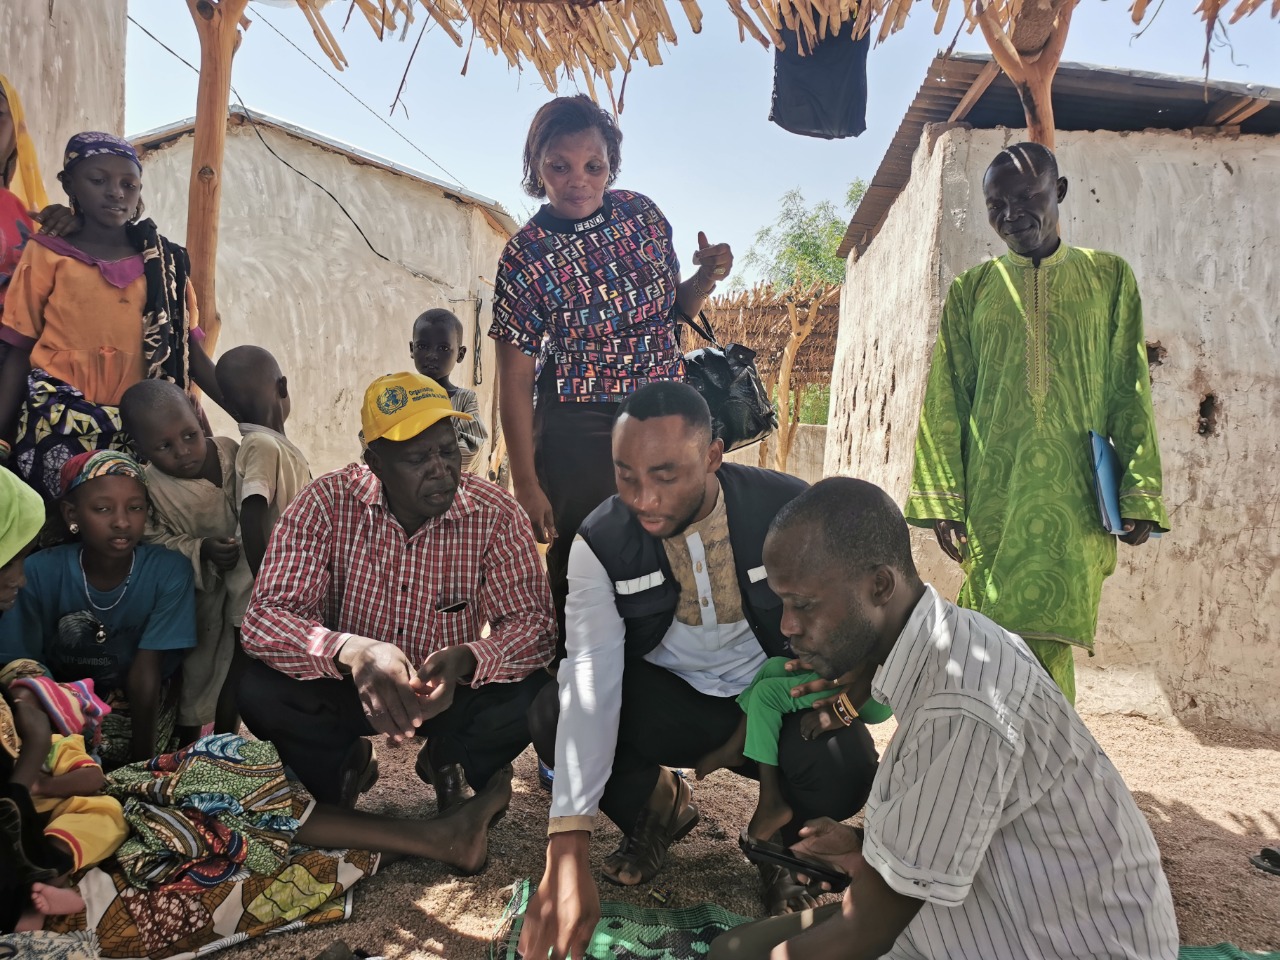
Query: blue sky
{"points": [[696, 132]]}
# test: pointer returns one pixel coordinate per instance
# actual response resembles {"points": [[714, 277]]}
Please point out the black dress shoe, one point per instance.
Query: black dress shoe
{"points": [[449, 781], [358, 774]]}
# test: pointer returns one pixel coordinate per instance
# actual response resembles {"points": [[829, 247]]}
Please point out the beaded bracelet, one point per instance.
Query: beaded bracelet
{"points": [[844, 709]]}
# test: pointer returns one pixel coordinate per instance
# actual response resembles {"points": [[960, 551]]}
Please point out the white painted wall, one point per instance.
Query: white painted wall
{"points": [[805, 460], [1188, 624], [66, 60], [295, 276]]}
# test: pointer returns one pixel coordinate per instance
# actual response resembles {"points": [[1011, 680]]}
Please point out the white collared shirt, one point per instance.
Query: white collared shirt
{"points": [[994, 805], [718, 659]]}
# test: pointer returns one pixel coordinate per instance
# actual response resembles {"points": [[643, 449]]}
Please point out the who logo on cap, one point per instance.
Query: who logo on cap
{"points": [[399, 406]]}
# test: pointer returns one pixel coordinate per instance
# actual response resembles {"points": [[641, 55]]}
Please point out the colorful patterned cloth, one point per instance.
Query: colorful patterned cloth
{"points": [[57, 424], [626, 932], [311, 888], [87, 466], [1029, 359], [73, 708], [205, 815], [46, 945], [593, 299], [93, 143]]}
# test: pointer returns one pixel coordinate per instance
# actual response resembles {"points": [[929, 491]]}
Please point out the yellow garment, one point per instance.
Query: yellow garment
{"points": [[185, 512], [21, 516], [26, 184], [85, 332], [92, 827]]}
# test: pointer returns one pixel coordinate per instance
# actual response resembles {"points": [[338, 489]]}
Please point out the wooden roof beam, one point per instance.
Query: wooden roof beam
{"points": [[1235, 110], [976, 89]]}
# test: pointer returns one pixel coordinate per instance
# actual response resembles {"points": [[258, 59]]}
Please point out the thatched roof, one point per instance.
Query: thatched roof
{"points": [[760, 319], [600, 39]]}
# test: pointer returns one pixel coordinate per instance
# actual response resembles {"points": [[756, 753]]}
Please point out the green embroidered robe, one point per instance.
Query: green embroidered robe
{"points": [[1028, 360]]}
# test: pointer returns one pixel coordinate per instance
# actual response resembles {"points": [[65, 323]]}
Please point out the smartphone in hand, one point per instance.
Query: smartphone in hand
{"points": [[761, 851]]}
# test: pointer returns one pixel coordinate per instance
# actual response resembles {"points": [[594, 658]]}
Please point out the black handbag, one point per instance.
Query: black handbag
{"points": [[727, 378]]}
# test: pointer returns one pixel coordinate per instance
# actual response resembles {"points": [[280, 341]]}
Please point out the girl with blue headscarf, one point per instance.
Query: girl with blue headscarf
{"points": [[88, 315], [108, 607]]}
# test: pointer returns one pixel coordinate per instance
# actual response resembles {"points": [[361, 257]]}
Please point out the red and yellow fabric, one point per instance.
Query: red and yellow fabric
{"points": [[92, 827]]}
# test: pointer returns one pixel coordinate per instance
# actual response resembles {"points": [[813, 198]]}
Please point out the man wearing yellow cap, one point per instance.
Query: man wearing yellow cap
{"points": [[368, 612]]}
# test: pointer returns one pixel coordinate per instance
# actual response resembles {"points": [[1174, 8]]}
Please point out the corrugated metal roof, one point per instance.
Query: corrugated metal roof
{"points": [[497, 214], [1085, 97]]}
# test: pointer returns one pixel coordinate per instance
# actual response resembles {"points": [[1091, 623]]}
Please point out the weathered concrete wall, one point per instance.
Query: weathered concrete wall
{"points": [[889, 312], [66, 60], [1188, 623], [295, 276], [806, 459]]}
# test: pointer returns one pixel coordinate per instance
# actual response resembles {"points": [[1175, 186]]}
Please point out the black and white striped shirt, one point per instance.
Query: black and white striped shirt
{"points": [[996, 807]]}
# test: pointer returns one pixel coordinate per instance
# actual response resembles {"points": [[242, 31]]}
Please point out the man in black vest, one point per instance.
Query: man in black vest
{"points": [[669, 617]]}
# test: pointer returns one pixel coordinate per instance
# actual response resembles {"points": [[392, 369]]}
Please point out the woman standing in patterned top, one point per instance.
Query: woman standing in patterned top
{"points": [[586, 302]]}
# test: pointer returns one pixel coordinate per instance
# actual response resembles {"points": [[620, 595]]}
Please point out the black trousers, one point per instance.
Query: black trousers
{"points": [[667, 723], [315, 723], [574, 459]]}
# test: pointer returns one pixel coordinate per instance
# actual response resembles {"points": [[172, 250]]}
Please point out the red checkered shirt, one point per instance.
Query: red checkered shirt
{"points": [[340, 565]]}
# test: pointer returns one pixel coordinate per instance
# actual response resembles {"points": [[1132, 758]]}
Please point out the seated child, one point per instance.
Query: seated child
{"points": [[436, 348], [108, 607], [50, 775], [764, 703], [269, 468], [192, 479]]}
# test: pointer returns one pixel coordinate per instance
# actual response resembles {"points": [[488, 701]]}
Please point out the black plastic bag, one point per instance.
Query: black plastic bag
{"points": [[741, 411]]}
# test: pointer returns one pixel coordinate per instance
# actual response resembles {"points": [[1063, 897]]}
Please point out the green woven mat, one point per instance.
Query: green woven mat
{"points": [[626, 932], [654, 933]]}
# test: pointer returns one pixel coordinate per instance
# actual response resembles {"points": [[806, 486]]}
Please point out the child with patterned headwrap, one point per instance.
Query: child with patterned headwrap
{"points": [[73, 313], [108, 608]]}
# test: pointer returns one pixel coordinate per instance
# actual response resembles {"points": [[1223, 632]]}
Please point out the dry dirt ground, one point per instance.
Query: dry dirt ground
{"points": [[1211, 793]]}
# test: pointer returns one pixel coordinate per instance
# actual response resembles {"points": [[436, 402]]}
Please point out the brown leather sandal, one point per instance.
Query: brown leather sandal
{"points": [[645, 849]]}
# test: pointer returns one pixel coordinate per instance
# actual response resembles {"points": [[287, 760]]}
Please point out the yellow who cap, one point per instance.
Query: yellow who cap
{"points": [[399, 406]]}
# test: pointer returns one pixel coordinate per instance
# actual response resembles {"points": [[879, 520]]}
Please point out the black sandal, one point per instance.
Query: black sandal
{"points": [[1268, 860], [645, 848]]}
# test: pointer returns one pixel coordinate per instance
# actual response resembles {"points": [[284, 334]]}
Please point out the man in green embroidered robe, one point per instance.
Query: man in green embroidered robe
{"points": [[1035, 349]]}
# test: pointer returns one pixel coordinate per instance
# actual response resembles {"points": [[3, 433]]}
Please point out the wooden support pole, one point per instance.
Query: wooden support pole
{"points": [[1030, 70], [218, 26], [800, 330]]}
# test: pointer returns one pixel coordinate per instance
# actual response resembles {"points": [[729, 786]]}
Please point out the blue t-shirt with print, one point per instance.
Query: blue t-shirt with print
{"points": [[156, 611]]}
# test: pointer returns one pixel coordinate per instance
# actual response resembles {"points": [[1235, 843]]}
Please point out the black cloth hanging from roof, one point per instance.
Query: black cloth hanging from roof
{"points": [[824, 93]]}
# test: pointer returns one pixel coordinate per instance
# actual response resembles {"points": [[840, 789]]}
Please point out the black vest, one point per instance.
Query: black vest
{"points": [[645, 591]]}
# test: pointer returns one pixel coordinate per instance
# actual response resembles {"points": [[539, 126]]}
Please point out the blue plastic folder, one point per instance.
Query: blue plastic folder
{"points": [[1106, 483]]}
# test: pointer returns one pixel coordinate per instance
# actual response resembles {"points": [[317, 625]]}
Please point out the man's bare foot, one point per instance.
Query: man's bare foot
{"points": [[726, 755], [469, 824], [771, 815], [55, 901]]}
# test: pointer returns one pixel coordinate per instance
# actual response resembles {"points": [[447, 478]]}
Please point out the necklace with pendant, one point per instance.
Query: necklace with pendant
{"points": [[84, 579]]}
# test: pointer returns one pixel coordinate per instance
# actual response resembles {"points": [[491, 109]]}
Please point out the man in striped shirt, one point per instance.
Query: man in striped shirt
{"points": [[996, 825], [368, 613]]}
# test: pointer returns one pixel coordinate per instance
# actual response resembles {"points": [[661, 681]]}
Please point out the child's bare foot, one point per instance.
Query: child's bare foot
{"points": [[55, 901], [770, 817], [726, 755], [469, 823]]}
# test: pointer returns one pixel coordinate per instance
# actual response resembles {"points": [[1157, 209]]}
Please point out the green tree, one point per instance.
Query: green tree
{"points": [[800, 245]]}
